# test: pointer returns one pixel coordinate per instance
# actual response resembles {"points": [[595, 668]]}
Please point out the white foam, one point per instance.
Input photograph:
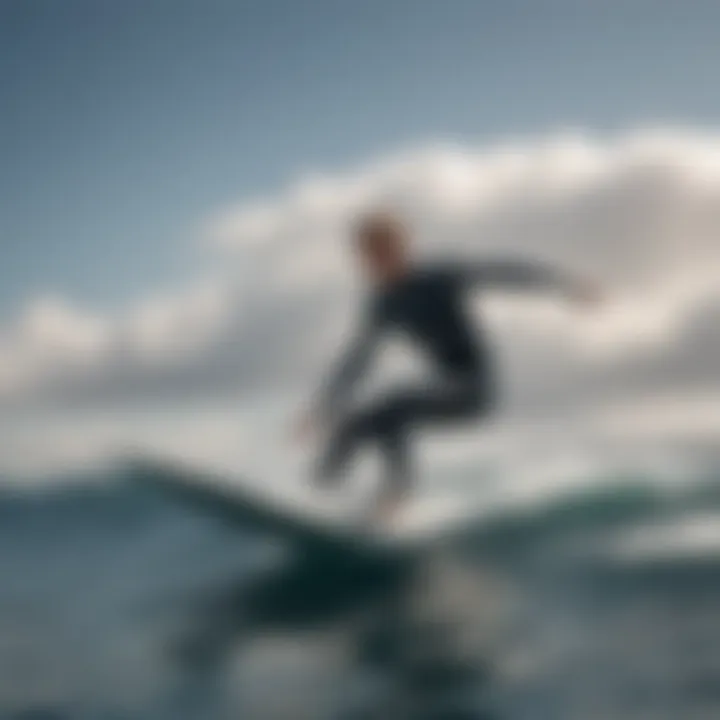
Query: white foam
{"points": [[682, 538]]}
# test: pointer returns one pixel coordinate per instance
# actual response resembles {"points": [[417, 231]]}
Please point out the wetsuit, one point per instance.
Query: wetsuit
{"points": [[428, 305]]}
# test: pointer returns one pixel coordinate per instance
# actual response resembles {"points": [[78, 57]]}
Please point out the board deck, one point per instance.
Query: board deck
{"points": [[255, 509]]}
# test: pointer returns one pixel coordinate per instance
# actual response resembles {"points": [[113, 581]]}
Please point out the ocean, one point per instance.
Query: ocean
{"points": [[594, 604]]}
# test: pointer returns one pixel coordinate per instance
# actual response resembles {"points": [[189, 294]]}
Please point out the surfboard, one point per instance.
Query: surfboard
{"points": [[263, 508]]}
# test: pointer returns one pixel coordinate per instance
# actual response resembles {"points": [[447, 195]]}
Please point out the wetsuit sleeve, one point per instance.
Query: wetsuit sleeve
{"points": [[353, 362], [516, 275]]}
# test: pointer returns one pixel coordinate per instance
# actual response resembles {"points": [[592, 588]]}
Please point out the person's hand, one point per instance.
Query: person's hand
{"points": [[587, 294]]}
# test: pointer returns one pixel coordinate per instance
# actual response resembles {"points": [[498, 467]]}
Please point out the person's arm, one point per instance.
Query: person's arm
{"points": [[353, 362], [523, 275]]}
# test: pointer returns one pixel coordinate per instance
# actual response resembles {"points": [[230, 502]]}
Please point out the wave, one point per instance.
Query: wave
{"points": [[137, 558], [112, 501], [604, 506]]}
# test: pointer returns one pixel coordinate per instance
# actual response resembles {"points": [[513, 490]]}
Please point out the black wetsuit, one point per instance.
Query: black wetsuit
{"points": [[428, 305]]}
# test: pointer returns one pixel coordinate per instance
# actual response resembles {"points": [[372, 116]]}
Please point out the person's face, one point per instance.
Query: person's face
{"points": [[382, 253]]}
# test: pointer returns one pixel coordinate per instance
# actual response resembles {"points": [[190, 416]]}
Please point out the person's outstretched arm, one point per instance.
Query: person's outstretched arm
{"points": [[525, 275]]}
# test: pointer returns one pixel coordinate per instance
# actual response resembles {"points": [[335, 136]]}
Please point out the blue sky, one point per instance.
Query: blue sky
{"points": [[125, 124]]}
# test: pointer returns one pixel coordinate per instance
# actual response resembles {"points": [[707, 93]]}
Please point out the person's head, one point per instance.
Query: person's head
{"points": [[382, 245]]}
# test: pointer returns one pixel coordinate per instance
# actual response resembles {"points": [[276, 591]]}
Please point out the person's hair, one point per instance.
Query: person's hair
{"points": [[378, 228]]}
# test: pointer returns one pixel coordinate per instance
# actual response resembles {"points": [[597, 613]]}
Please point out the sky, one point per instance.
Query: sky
{"points": [[125, 123], [176, 177]]}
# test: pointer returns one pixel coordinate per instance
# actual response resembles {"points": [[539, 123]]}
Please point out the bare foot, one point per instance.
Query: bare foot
{"points": [[386, 511]]}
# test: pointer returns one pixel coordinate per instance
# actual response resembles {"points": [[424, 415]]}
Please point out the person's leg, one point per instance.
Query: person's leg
{"points": [[414, 408], [382, 424], [389, 424], [352, 431]]}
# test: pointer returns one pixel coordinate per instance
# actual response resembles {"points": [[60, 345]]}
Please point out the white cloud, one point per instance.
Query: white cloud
{"points": [[640, 211], [46, 340]]}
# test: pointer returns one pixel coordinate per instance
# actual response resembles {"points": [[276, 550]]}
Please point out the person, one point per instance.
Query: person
{"points": [[427, 304]]}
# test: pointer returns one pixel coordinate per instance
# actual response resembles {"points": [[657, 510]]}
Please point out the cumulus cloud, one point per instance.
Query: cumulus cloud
{"points": [[640, 212]]}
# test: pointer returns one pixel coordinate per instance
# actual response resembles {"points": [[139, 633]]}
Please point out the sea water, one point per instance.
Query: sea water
{"points": [[615, 600]]}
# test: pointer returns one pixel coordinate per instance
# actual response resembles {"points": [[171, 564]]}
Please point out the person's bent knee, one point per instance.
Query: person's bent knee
{"points": [[363, 425]]}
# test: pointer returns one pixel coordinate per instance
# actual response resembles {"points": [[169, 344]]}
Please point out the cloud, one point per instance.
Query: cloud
{"points": [[639, 211]]}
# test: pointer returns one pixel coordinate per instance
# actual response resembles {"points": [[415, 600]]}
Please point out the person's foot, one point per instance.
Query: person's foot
{"points": [[386, 511]]}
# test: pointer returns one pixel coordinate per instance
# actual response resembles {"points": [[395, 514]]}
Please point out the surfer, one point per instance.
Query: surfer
{"points": [[426, 304]]}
